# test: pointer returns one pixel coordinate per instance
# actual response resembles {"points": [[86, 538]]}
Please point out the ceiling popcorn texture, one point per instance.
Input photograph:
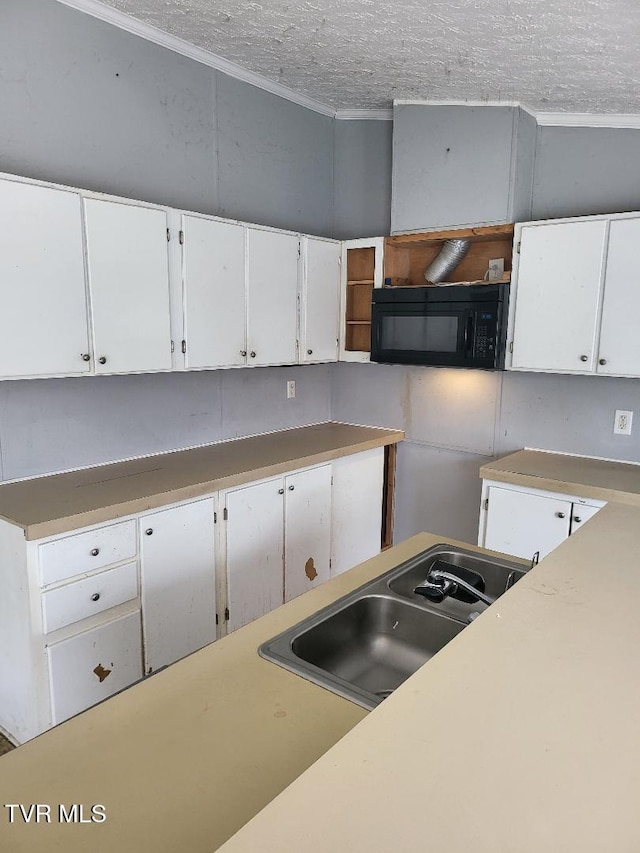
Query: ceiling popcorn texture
{"points": [[573, 55]]}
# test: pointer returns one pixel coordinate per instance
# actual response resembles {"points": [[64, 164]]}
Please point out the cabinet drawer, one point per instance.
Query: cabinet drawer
{"points": [[83, 598], [90, 667], [85, 552]]}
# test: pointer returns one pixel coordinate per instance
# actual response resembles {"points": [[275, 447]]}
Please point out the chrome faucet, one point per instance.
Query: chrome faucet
{"points": [[439, 584]]}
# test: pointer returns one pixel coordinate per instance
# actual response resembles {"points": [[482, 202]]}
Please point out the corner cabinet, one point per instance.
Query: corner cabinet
{"points": [[574, 297], [530, 523]]}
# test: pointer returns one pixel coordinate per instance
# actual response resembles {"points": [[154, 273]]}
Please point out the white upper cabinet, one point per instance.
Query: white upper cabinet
{"points": [[129, 286], [619, 352], [320, 300], [213, 277], [43, 310], [556, 301], [272, 288]]}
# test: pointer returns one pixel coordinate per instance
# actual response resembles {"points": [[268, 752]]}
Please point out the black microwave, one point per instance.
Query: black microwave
{"points": [[453, 325]]}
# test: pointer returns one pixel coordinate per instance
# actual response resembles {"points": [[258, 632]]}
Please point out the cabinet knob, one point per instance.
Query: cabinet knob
{"points": [[149, 531], [252, 354], [95, 552], [243, 352], [560, 515], [85, 356], [584, 358], [102, 360], [577, 519], [281, 491], [602, 361], [95, 596], [309, 352], [291, 488]]}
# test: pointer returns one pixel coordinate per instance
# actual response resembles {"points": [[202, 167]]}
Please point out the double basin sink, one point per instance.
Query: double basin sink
{"points": [[368, 642]]}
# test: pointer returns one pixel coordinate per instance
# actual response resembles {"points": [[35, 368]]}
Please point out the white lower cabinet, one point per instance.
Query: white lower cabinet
{"points": [[90, 667], [87, 613], [177, 568], [277, 541], [530, 523]]}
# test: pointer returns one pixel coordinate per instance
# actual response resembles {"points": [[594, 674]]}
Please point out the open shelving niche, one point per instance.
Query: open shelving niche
{"points": [[406, 257]]}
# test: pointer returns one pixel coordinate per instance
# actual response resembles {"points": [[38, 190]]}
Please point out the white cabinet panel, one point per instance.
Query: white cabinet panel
{"points": [[356, 509], [272, 288], [213, 273], [320, 303], [307, 525], [559, 279], [43, 321], [178, 581], [581, 513], [67, 556], [83, 598], [129, 285], [92, 666], [619, 351], [522, 524], [255, 539]]}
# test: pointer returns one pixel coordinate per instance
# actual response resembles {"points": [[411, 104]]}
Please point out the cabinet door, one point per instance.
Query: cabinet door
{"points": [[557, 296], [320, 301], [43, 321], [522, 524], [129, 285], [356, 509], [580, 513], [255, 534], [92, 666], [213, 275], [619, 351], [178, 582], [272, 293], [307, 530]]}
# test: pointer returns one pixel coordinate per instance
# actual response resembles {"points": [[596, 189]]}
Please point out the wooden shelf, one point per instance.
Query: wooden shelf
{"points": [[407, 256], [368, 281], [358, 322]]}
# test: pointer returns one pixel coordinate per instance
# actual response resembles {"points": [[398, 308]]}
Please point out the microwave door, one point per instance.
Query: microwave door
{"points": [[441, 336]]}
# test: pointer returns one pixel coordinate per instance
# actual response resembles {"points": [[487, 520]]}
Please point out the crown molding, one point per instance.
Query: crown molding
{"points": [[610, 120], [365, 115], [204, 57]]}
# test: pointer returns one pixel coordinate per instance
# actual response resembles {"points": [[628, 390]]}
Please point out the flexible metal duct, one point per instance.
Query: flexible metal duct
{"points": [[453, 251]]}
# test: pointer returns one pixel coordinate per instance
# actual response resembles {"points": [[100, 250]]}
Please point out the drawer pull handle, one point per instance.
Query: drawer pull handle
{"points": [[602, 361], [252, 354], [577, 519], [243, 352], [291, 488], [102, 360], [281, 491], [584, 358], [149, 531], [309, 352], [560, 515], [95, 596], [95, 552], [85, 356]]}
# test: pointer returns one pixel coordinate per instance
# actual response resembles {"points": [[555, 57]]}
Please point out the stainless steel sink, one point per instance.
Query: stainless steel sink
{"points": [[367, 643]]}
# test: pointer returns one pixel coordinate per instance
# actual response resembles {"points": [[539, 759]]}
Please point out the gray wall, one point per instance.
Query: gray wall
{"points": [[456, 420], [583, 170], [54, 424], [362, 178]]}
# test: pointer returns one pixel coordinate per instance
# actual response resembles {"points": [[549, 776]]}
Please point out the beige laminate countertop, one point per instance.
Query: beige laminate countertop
{"points": [[45, 506], [521, 736], [185, 758], [557, 472]]}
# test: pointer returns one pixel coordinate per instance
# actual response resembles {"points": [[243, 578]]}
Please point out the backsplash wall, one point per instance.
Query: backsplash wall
{"points": [[49, 425], [455, 420]]}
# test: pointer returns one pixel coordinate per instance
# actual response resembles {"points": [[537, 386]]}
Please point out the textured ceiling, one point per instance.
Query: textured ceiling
{"points": [[553, 55]]}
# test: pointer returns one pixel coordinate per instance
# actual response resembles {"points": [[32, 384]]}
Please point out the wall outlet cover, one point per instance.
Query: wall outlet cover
{"points": [[622, 422], [291, 389]]}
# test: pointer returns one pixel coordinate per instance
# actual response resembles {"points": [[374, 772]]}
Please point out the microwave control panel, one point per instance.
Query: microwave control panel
{"points": [[485, 334]]}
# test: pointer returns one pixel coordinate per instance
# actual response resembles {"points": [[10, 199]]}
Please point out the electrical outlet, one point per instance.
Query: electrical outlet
{"points": [[291, 389], [622, 423], [496, 269]]}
